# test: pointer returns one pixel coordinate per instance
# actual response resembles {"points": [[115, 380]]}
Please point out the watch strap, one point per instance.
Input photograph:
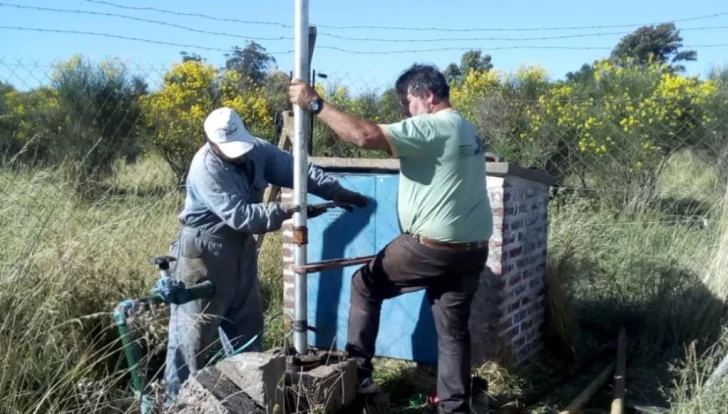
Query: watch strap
{"points": [[320, 106]]}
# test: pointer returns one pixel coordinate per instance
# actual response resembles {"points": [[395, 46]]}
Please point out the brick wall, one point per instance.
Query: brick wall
{"points": [[508, 310], [288, 247]]}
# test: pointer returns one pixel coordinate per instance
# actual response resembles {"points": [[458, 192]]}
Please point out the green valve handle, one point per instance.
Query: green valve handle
{"points": [[202, 290], [178, 294]]}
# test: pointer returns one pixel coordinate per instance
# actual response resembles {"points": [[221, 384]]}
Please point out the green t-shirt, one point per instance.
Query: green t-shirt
{"points": [[442, 182]]}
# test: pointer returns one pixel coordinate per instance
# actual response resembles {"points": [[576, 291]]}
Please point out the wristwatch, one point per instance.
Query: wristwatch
{"points": [[316, 106]]}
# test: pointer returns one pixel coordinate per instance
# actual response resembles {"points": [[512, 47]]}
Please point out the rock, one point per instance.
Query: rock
{"points": [[259, 375], [209, 391], [325, 389]]}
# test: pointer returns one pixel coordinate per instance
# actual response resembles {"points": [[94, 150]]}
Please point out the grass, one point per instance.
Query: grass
{"points": [[65, 263]]}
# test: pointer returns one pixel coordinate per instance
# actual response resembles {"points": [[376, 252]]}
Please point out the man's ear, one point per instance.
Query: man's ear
{"points": [[430, 98]]}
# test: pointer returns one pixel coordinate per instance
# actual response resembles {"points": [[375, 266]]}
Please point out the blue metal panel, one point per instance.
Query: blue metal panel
{"points": [[407, 330], [334, 235]]}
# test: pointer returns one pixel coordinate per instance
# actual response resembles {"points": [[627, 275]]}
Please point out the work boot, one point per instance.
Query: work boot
{"points": [[367, 386]]}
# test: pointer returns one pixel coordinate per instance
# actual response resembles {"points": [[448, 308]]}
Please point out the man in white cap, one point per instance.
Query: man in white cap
{"points": [[223, 209]]}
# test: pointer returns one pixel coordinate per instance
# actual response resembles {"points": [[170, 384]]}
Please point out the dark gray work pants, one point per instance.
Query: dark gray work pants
{"points": [[450, 277], [231, 265]]}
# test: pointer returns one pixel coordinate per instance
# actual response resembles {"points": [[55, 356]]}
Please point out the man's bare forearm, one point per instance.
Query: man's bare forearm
{"points": [[353, 129]]}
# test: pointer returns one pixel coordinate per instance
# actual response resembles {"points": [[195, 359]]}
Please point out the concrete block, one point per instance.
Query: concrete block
{"points": [[209, 391], [196, 399], [259, 375], [325, 389]]}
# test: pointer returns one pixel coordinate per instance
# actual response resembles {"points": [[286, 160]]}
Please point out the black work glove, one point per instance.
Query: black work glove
{"points": [[314, 211], [347, 198]]}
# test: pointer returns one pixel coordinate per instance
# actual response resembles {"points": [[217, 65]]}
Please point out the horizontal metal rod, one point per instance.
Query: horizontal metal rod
{"points": [[331, 264], [326, 205]]}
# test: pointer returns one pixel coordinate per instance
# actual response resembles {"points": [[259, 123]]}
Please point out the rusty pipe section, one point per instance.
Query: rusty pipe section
{"points": [[331, 264]]}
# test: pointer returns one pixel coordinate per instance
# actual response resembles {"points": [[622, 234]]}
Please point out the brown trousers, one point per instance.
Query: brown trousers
{"points": [[451, 277]]}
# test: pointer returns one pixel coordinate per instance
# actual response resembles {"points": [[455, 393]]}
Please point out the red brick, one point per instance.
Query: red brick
{"points": [[494, 243], [516, 224], [511, 333], [519, 341], [528, 272], [526, 324]]}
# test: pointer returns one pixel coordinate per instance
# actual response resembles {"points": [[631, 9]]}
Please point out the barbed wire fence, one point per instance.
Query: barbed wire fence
{"points": [[665, 146]]}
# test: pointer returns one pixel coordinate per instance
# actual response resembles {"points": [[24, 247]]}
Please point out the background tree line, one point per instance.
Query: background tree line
{"points": [[614, 123]]}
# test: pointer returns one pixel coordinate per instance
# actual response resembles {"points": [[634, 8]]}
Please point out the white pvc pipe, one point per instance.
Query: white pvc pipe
{"points": [[300, 176]]}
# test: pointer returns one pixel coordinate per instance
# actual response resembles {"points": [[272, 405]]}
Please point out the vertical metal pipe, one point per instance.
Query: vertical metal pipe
{"points": [[309, 146], [300, 176]]}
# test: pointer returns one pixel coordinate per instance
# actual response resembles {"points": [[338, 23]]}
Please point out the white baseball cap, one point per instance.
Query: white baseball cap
{"points": [[224, 128]]}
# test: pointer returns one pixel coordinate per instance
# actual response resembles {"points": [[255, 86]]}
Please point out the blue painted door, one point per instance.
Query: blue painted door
{"points": [[406, 326]]}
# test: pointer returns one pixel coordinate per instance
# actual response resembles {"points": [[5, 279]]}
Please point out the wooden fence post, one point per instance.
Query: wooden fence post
{"points": [[284, 143]]}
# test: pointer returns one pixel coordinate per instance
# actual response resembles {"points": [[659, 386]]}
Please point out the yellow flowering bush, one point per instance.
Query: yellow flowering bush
{"points": [[476, 85], [176, 113], [252, 104], [628, 121]]}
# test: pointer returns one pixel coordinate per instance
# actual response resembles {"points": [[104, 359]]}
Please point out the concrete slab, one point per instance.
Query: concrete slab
{"points": [[259, 375]]}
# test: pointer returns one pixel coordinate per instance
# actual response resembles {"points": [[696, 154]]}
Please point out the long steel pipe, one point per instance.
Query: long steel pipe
{"points": [[332, 264], [300, 177]]}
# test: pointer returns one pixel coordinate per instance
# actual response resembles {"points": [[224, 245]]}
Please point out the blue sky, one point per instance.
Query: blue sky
{"points": [[377, 70]]}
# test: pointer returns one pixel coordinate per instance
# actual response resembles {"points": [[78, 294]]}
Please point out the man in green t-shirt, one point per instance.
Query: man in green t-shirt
{"points": [[445, 219]]}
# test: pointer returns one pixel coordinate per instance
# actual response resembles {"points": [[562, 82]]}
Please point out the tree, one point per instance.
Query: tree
{"points": [[452, 73], [719, 74], [191, 57], [251, 62], [475, 60], [661, 43], [175, 114], [471, 60], [584, 75]]}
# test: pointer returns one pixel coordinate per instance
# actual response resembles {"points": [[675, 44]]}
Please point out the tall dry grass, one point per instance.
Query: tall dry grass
{"points": [[65, 262], [656, 268]]}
